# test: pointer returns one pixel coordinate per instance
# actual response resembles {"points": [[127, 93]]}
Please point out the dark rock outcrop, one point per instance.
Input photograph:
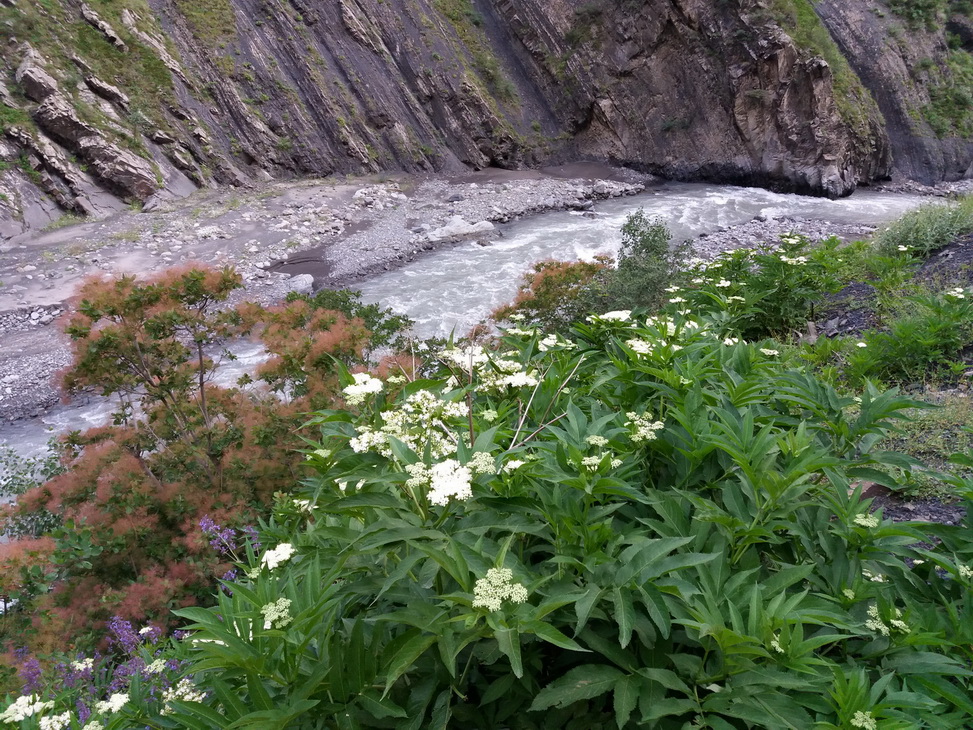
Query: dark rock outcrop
{"points": [[251, 90]]}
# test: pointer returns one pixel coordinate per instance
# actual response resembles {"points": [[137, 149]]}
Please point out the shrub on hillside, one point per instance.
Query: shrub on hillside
{"points": [[132, 494]]}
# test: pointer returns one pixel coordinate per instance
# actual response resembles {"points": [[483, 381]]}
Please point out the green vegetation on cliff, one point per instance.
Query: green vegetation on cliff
{"points": [[855, 103], [58, 32]]}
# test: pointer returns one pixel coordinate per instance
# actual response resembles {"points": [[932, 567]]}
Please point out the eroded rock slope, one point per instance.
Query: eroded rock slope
{"points": [[108, 103]]}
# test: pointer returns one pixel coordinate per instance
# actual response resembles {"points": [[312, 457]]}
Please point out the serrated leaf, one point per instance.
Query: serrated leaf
{"points": [[624, 615], [551, 635], [626, 697], [581, 683], [405, 657], [509, 642]]}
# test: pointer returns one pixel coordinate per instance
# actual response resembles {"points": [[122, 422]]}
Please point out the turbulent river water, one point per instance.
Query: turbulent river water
{"points": [[452, 289]]}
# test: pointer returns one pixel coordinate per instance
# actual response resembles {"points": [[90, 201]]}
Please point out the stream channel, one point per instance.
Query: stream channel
{"points": [[452, 289]]}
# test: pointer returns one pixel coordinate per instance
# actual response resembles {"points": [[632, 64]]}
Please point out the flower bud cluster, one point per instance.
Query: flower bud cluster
{"points": [[497, 587], [184, 691], [643, 427], [277, 614]]}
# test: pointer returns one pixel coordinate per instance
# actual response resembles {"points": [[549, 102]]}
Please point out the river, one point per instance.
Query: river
{"points": [[452, 289]]}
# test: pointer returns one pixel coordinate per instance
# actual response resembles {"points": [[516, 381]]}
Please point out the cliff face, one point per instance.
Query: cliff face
{"points": [[112, 102]]}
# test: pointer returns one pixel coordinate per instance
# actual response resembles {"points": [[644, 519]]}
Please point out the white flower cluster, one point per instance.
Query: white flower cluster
{"points": [[790, 239], [492, 591], [775, 645], [305, 506], [489, 415], [596, 440], [848, 593], [591, 463], [481, 463], [56, 722], [280, 554], [554, 341], [277, 614], [363, 386], [184, 691], [448, 479], [113, 704], [156, 667], [863, 520], [95, 725], [643, 427], [964, 571], [23, 707], [873, 577], [798, 261], [768, 352], [415, 422], [640, 347], [667, 325], [957, 293], [864, 720], [621, 315], [82, 665], [513, 464], [874, 622]]}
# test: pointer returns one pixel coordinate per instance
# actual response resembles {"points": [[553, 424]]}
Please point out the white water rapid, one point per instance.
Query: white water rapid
{"points": [[453, 289]]}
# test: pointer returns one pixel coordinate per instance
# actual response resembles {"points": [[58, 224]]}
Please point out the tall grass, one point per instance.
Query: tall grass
{"points": [[928, 228]]}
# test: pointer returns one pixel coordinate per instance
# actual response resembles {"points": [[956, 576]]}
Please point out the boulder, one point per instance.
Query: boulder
{"points": [[123, 169], [302, 284], [94, 20], [107, 91], [57, 116], [35, 81], [457, 226]]}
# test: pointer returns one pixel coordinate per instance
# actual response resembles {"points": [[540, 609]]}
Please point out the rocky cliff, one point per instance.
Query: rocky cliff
{"points": [[107, 103]]}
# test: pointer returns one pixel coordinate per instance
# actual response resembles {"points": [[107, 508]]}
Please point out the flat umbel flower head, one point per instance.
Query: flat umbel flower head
{"points": [[490, 592]]}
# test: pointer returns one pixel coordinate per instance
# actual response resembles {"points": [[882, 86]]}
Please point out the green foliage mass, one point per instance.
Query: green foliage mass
{"points": [[213, 22], [637, 521], [636, 525], [950, 110], [927, 228], [57, 34]]}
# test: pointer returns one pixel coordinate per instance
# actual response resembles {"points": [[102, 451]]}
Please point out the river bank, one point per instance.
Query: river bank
{"points": [[301, 235]]}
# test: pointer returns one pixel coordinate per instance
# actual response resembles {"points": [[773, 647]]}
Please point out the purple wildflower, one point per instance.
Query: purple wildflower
{"points": [[123, 635], [253, 536], [30, 672], [222, 539], [84, 712], [229, 575], [151, 633]]}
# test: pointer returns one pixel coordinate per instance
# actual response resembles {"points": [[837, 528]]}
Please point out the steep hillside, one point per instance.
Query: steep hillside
{"points": [[108, 103]]}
